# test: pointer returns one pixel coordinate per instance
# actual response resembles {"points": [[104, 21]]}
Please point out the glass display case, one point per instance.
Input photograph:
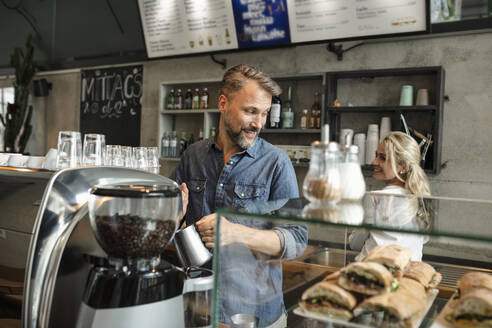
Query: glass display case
{"points": [[254, 277]]}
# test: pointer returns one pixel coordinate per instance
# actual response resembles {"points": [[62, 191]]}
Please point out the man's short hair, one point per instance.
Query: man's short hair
{"points": [[236, 77]]}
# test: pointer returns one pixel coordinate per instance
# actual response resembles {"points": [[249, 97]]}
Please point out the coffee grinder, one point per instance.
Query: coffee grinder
{"points": [[135, 288]]}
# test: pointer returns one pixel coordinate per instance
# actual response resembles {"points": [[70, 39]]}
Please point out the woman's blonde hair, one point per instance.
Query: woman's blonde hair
{"points": [[403, 150]]}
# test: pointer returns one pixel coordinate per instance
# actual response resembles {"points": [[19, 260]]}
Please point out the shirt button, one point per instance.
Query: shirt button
{"points": [[197, 188], [221, 185], [242, 195], [231, 162]]}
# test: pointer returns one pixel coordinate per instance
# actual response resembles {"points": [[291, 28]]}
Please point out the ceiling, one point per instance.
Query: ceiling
{"points": [[72, 33]]}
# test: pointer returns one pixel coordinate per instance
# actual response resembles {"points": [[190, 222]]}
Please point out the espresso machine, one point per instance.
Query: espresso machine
{"points": [[94, 254]]}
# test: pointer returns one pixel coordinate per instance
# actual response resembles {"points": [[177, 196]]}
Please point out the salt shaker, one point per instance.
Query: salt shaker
{"points": [[322, 182]]}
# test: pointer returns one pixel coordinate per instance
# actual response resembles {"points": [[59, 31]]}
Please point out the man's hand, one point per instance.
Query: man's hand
{"points": [[228, 231], [184, 199]]}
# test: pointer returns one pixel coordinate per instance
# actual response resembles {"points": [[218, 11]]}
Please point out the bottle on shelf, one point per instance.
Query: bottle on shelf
{"points": [[196, 100], [315, 109], [191, 139], [212, 131], [204, 99], [178, 100], [165, 145], [318, 120], [170, 100], [304, 119], [287, 118], [183, 143], [275, 113], [173, 145], [188, 99], [200, 135]]}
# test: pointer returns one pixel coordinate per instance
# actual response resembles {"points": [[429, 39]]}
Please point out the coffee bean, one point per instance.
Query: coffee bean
{"points": [[130, 236]]}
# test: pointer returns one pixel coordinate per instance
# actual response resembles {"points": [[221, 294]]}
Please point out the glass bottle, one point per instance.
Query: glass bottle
{"points": [[178, 100], [352, 180], [191, 139], [204, 99], [287, 113], [304, 119], [322, 182], [200, 135], [165, 145], [170, 100], [275, 113], [173, 145], [196, 100], [212, 131], [188, 99], [315, 108]]}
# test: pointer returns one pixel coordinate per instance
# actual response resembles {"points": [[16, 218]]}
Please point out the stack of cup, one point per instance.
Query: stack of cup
{"points": [[385, 128], [360, 141], [343, 139], [372, 142]]}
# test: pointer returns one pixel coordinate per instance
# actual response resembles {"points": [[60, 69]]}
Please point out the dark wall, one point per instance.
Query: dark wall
{"points": [[72, 33]]}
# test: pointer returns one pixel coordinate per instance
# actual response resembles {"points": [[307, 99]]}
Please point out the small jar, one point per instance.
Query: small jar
{"points": [[322, 182], [352, 180]]}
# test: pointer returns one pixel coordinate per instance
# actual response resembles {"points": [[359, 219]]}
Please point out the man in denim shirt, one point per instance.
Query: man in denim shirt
{"points": [[238, 169]]}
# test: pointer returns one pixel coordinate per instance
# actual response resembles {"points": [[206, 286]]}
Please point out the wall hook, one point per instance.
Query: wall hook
{"points": [[222, 62], [338, 50]]}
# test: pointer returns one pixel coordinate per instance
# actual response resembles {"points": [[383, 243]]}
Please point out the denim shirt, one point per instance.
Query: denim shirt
{"points": [[249, 282]]}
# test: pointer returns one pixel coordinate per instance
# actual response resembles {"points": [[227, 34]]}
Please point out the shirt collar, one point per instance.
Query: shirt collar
{"points": [[251, 151]]}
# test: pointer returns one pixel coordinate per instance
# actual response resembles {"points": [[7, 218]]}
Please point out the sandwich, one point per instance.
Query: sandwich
{"points": [[395, 258], [366, 278], [473, 309], [423, 273], [327, 298], [474, 280], [401, 308]]}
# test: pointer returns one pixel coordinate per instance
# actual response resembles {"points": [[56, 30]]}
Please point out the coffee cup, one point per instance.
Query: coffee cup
{"points": [[422, 97], [406, 96]]}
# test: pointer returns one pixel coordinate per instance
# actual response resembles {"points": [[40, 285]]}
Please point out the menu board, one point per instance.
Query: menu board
{"points": [[314, 20], [110, 103], [261, 22], [175, 27]]}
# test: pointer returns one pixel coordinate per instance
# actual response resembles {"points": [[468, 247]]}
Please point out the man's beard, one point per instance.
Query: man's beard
{"points": [[238, 138]]}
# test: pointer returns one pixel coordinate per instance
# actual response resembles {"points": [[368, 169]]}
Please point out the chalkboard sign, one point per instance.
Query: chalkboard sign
{"points": [[110, 104]]}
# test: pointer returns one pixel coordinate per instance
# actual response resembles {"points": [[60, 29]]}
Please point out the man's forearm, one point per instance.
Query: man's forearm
{"points": [[262, 241]]}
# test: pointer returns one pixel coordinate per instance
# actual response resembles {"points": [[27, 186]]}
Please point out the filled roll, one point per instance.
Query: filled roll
{"points": [[395, 258], [474, 309], [366, 278], [327, 298], [423, 273]]}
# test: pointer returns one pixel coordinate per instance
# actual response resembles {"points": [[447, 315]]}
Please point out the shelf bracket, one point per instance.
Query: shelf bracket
{"points": [[222, 62], [338, 49]]}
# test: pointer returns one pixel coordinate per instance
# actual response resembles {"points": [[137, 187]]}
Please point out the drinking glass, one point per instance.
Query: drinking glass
{"points": [[153, 159], [127, 154], [69, 152], [114, 156], [140, 158], [93, 151]]}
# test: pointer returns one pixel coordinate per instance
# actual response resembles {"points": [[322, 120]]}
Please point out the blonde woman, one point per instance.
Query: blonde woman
{"points": [[397, 165]]}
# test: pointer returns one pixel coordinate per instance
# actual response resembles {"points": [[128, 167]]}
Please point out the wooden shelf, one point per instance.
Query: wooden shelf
{"points": [[375, 109]]}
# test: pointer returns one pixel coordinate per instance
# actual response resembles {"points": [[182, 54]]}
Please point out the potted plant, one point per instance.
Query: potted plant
{"points": [[17, 119]]}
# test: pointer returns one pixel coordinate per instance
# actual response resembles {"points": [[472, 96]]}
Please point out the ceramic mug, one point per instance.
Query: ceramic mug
{"points": [[422, 97]]}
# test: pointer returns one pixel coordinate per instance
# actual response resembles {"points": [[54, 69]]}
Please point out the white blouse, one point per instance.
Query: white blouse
{"points": [[389, 211]]}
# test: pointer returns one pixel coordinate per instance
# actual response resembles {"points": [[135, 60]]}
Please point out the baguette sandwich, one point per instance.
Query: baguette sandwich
{"points": [[401, 308], [366, 278], [423, 273], [473, 309], [327, 298], [474, 280], [395, 258]]}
